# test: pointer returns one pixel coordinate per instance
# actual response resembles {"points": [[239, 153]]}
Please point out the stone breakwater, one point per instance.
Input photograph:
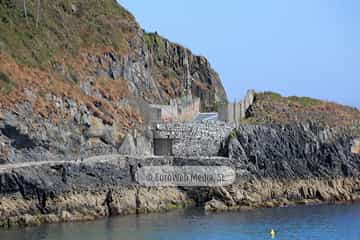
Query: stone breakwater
{"points": [[275, 166]]}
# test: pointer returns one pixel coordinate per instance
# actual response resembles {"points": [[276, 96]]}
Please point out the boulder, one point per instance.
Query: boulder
{"points": [[215, 205], [97, 128], [128, 146]]}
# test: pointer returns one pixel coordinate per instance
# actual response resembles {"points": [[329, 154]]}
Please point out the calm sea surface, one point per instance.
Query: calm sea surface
{"points": [[325, 222]]}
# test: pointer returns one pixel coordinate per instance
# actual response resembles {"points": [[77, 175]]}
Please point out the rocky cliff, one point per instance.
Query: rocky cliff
{"points": [[280, 165], [68, 70], [68, 73], [275, 166]]}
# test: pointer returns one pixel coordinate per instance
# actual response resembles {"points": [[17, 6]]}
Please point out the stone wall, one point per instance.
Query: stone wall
{"points": [[194, 139], [234, 112]]}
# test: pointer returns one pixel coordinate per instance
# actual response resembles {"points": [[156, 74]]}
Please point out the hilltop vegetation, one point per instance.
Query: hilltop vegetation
{"points": [[270, 107], [35, 35]]}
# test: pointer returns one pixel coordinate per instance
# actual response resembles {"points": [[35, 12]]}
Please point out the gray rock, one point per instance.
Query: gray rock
{"points": [[128, 146], [355, 148]]}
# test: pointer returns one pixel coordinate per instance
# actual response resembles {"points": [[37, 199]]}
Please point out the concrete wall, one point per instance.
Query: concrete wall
{"points": [[194, 139], [234, 112], [167, 112], [189, 111], [147, 113], [181, 109]]}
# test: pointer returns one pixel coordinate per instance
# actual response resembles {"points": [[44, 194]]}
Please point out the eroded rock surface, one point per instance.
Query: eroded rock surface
{"points": [[275, 166], [291, 164]]}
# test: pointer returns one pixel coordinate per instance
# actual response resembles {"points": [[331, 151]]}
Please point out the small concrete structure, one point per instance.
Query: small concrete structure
{"points": [[355, 148]]}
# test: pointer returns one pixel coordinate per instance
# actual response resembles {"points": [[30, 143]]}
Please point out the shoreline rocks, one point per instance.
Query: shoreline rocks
{"points": [[275, 166]]}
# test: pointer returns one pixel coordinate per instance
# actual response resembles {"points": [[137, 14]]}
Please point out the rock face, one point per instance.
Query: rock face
{"points": [[81, 191], [280, 165], [275, 166], [84, 97], [289, 151], [175, 65]]}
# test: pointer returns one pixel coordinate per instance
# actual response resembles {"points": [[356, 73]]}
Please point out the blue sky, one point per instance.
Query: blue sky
{"points": [[304, 47]]}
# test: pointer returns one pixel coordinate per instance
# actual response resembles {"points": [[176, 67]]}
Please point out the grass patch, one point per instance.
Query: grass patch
{"points": [[6, 84], [172, 206], [233, 134], [305, 101], [169, 73], [272, 95], [63, 28], [154, 41]]}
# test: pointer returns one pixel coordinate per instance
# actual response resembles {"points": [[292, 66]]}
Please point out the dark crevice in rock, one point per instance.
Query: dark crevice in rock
{"points": [[108, 203], [20, 140]]}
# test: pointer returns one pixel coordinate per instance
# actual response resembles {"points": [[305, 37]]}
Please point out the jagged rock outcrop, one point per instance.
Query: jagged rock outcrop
{"points": [[303, 150], [80, 191], [275, 166], [178, 71], [291, 164], [65, 87]]}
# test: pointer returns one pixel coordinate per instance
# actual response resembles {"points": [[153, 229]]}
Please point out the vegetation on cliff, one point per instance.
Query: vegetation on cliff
{"points": [[95, 54], [35, 34]]}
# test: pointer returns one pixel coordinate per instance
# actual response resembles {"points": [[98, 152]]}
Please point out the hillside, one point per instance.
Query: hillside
{"points": [[69, 68], [80, 41], [271, 107], [76, 43]]}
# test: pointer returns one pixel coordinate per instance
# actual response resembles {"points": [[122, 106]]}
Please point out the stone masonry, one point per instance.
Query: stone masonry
{"points": [[194, 139]]}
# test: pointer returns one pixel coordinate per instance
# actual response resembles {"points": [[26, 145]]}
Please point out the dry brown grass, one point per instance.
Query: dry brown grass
{"points": [[41, 82], [113, 90]]}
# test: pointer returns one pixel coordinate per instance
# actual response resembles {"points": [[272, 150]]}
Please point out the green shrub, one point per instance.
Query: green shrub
{"points": [[172, 206], [6, 84], [154, 41]]}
